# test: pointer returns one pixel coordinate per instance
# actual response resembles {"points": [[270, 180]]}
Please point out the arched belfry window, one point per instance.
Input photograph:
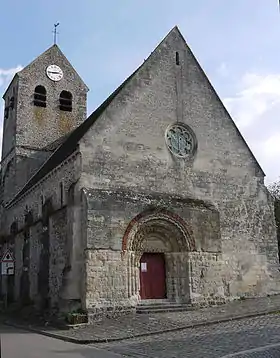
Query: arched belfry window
{"points": [[65, 101], [40, 96]]}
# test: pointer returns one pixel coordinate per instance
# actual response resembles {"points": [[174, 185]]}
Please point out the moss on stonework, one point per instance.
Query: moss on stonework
{"points": [[78, 316]]}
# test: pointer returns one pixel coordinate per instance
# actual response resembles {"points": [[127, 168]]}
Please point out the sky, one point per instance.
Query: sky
{"points": [[236, 42]]}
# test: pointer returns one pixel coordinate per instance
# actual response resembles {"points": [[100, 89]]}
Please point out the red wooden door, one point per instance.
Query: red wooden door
{"points": [[152, 276]]}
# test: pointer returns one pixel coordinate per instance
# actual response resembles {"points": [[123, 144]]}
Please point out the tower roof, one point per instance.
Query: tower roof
{"points": [[53, 53]]}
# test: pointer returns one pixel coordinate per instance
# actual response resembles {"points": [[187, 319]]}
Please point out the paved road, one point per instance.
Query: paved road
{"points": [[247, 338], [18, 343]]}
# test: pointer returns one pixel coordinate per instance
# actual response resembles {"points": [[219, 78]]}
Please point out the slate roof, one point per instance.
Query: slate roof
{"points": [[54, 145]]}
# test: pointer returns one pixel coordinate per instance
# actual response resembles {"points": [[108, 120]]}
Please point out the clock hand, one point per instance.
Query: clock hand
{"points": [[56, 73]]}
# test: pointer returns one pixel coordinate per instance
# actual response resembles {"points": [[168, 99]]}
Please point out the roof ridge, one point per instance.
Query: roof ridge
{"points": [[57, 157], [64, 150]]}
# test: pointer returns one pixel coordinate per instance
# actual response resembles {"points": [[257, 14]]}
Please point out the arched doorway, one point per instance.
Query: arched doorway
{"points": [[157, 247]]}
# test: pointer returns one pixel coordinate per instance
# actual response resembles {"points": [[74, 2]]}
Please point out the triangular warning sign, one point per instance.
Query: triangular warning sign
{"points": [[7, 257]]}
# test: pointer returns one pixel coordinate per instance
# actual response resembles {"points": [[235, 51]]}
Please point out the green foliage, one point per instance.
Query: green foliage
{"points": [[77, 316], [275, 192]]}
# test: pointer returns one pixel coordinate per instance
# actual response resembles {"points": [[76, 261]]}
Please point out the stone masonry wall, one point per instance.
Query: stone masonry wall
{"points": [[48, 189], [18, 264], [9, 125], [35, 252], [106, 282], [58, 254], [126, 150], [107, 265], [37, 127], [30, 131], [206, 276]]}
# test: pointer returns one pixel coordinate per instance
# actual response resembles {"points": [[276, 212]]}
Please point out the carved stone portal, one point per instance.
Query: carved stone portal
{"points": [[160, 234]]}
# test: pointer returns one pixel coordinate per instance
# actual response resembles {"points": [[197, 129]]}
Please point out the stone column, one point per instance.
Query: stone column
{"points": [[135, 275], [132, 275], [173, 274], [192, 276], [129, 278], [169, 276], [177, 276], [183, 272]]}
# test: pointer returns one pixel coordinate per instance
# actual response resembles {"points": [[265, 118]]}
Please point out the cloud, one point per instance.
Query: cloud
{"points": [[272, 146], [256, 95], [223, 70], [255, 108], [6, 75]]}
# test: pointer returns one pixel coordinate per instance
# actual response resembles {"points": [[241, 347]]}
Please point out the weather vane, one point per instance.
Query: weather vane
{"points": [[55, 32]]}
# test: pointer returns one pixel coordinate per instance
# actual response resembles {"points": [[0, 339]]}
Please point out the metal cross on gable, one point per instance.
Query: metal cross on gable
{"points": [[55, 33]]}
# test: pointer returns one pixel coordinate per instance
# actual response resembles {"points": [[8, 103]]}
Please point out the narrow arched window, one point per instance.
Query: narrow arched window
{"points": [[65, 101], [71, 195], [61, 192], [41, 204], [40, 96], [177, 58], [6, 114], [12, 102], [14, 228]]}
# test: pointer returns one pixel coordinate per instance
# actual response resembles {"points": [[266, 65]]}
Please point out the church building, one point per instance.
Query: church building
{"points": [[154, 197]]}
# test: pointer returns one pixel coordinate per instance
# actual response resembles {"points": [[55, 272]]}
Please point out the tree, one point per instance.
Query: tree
{"points": [[275, 192]]}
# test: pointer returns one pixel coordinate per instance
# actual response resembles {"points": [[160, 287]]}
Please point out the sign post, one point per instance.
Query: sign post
{"points": [[7, 263], [7, 269]]}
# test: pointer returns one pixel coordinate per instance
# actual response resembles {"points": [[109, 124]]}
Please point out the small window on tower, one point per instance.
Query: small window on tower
{"points": [[40, 96], [65, 101], [6, 114], [12, 102]]}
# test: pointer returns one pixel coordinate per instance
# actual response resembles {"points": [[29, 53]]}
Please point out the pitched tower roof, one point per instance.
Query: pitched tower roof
{"points": [[53, 53]]}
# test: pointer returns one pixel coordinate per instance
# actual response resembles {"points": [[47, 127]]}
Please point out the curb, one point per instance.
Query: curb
{"points": [[146, 334]]}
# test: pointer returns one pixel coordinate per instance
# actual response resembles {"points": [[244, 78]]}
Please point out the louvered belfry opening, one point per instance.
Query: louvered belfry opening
{"points": [[65, 101], [40, 96]]}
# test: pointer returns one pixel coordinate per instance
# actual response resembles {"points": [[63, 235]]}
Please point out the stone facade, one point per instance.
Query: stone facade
{"points": [[112, 190], [126, 150], [117, 236]]}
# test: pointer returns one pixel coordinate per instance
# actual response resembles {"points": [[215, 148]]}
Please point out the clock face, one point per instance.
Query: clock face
{"points": [[54, 73]]}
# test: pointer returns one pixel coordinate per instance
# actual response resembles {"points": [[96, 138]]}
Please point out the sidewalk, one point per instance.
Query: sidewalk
{"points": [[148, 324]]}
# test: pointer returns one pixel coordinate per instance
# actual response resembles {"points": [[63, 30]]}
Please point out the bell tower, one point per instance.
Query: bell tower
{"points": [[43, 103]]}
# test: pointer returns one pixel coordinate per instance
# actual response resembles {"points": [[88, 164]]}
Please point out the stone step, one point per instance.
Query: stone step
{"points": [[154, 303], [166, 307], [160, 305]]}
